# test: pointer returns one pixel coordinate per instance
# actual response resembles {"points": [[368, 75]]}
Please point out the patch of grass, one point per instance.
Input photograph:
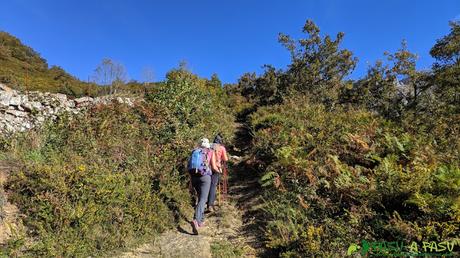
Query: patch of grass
{"points": [[228, 215], [13, 247], [224, 249]]}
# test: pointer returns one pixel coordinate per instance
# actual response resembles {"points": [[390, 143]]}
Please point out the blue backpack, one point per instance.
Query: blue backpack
{"points": [[199, 162]]}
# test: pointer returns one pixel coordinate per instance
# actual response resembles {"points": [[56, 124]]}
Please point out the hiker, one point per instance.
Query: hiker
{"points": [[220, 154], [201, 164]]}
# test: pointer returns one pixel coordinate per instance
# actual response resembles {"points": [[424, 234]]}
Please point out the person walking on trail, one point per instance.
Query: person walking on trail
{"points": [[221, 157], [200, 166]]}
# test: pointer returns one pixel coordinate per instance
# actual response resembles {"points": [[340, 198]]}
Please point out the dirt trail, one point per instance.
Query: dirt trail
{"points": [[246, 191]]}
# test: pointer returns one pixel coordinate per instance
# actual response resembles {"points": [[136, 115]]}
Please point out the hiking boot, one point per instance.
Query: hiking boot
{"points": [[211, 209], [195, 227]]}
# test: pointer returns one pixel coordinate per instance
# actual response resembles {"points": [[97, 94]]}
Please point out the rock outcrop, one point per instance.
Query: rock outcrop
{"points": [[20, 111]]}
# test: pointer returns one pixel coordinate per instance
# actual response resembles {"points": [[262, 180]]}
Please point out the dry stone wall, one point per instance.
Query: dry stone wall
{"points": [[20, 111]]}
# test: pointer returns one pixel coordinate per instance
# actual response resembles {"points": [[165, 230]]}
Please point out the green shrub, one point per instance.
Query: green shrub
{"points": [[223, 249]]}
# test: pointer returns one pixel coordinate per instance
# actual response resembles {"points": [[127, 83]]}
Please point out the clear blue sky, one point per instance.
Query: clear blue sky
{"points": [[223, 37]]}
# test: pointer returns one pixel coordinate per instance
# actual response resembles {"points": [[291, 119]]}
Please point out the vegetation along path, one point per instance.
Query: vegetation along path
{"points": [[9, 213]]}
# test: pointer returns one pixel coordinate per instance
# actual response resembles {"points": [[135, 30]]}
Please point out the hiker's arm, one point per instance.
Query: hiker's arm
{"points": [[224, 155], [214, 163]]}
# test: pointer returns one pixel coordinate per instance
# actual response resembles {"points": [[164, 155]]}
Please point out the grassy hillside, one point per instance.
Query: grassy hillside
{"points": [[23, 68]]}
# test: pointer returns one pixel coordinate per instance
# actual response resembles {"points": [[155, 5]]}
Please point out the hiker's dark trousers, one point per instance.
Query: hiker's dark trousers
{"points": [[201, 185], [212, 192]]}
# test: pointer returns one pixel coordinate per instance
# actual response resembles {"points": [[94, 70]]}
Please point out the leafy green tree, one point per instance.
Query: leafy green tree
{"points": [[197, 106], [446, 70], [318, 68], [405, 73], [270, 86], [318, 65], [215, 81], [378, 90], [246, 86], [390, 87]]}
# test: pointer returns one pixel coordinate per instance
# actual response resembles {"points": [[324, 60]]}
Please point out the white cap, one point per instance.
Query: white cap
{"points": [[205, 143]]}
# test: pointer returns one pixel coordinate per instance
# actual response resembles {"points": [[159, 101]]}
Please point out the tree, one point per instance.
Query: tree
{"points": [[446, 51], [446, 70], [390, 87], [110, 73], [270, 86], [378, 90], [318, 68], [215, 81], [405, 74], [148, 75], [246, 85], [318, 65]]}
